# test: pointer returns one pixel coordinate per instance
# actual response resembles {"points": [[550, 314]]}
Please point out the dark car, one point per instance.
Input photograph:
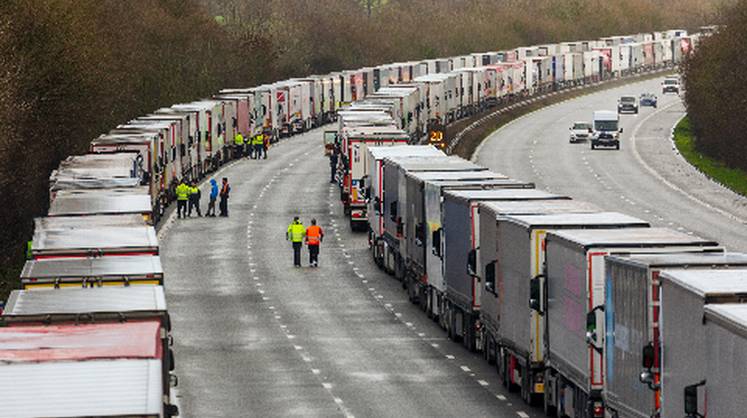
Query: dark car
{"points": [[648, 99]]}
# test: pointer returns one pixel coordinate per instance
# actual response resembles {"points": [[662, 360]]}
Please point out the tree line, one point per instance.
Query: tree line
{"points": [[716, 91], [70, 70]]}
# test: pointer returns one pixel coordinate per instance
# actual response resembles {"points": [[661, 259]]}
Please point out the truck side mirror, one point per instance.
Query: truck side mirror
{"points": [[621, 130], [393, 211], [691, 400], [472, 262], [172, 366], [377, 205], [436, 240], [490, 276], [647, 356], [535, 295], [591, 328]]}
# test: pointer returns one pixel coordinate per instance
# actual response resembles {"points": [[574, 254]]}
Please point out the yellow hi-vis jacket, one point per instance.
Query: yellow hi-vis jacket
{"points": [[258, 140], [182, 192], [238, 139], [296, 232]]}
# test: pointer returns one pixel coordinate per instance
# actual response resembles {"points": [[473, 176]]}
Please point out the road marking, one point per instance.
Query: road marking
{"points": [[483, 383], [298, 347], [522, 414], [465, 368], [450, 357], [327, 385], [315, 371], [290, 336], [500, 397], [434, 345], [421, 334]]}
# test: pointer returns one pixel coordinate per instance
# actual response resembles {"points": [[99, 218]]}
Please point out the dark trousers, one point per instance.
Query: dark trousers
{"points": [[223, 206], [297, 253], [264, 151], [194, 204], [181, 208], [238, 150], [332, 172], [314, 254], [211, 208], [257, 151]]}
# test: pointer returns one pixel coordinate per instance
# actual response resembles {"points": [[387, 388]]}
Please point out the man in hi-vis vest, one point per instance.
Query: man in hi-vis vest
{"points": [[314, 237]]}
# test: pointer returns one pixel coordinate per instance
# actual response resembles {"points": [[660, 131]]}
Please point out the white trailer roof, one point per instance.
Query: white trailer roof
{"points": [[630, 237], [540, 206], [87, 222], [503, 194], [729, 315], [407, 150], [114, 201], [456, 175], [684, 260], [446, 163], [580, 219], [65, 241], [79, 300], [98, 388], [92, 267], [708, 283]]}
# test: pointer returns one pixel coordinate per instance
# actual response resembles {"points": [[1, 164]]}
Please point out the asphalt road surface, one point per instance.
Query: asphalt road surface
{"points": [[645, 178], [255, 336]]}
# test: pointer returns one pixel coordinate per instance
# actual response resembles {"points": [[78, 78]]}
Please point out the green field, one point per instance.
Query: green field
{"points": [[733, 178]]}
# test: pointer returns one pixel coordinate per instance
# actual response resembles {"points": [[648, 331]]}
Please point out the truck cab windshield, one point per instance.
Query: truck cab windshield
{"points": [[605, 125]]}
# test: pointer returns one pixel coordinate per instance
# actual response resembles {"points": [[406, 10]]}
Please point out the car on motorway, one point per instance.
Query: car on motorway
{"points": [[627, 104], [606, 132], [670, 85], [580, 131], [648, 99]]}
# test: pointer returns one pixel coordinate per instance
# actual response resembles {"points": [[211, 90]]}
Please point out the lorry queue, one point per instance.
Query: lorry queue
{"points": [[92, 310]]}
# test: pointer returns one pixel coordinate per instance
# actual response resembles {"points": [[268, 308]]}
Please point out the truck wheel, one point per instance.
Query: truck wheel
{"points": [[617, 146]]}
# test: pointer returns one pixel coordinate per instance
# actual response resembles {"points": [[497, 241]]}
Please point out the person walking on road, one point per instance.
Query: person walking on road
{"points": [[265, 145], [333, 165], [182, 196], [257, 145], [295, 235], [314, 237], [238, 142], [194, 199], [225, 189], [213, 197]]}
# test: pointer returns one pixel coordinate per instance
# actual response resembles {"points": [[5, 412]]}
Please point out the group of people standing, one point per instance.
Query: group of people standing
{"points": [[254, 147], [188, 198], [313, 235]]}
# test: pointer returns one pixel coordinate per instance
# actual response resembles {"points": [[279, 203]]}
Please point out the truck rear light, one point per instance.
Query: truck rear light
{"points": [[598, 410]]}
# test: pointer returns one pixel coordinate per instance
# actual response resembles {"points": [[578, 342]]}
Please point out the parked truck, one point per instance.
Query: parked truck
{"points": [[424, 278], [120, 201], [726, 333], [519, 279], [375, 182], [60, 273], [395, 199], [76, 369], [684, 296], [632, 325], [574, 326], [70, 239], [354, 142], [460, 239]]}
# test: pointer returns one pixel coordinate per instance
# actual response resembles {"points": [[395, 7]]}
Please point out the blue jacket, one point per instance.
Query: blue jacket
{"points": [[213, 189]]}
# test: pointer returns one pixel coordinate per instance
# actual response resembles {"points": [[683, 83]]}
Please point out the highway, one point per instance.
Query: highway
{"points": [[646, 178], [256, 337]]}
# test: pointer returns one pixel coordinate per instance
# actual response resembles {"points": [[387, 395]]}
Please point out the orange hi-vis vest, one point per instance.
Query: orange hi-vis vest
{"points": [[314, 235]]}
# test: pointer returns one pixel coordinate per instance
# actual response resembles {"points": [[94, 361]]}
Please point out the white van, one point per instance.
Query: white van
{"points": [[606, 129]]}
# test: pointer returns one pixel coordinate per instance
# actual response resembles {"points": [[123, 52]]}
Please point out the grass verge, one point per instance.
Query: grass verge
{"points": [[732, 178]]}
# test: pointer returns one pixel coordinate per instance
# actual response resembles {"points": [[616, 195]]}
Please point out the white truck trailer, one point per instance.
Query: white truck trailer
{"points": [[632, 324], [519, 283], [574, 328], [460, 239], [684, 295]]}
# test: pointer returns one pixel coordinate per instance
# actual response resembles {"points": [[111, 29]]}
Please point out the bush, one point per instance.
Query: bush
{"points": [[716, 91]]}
